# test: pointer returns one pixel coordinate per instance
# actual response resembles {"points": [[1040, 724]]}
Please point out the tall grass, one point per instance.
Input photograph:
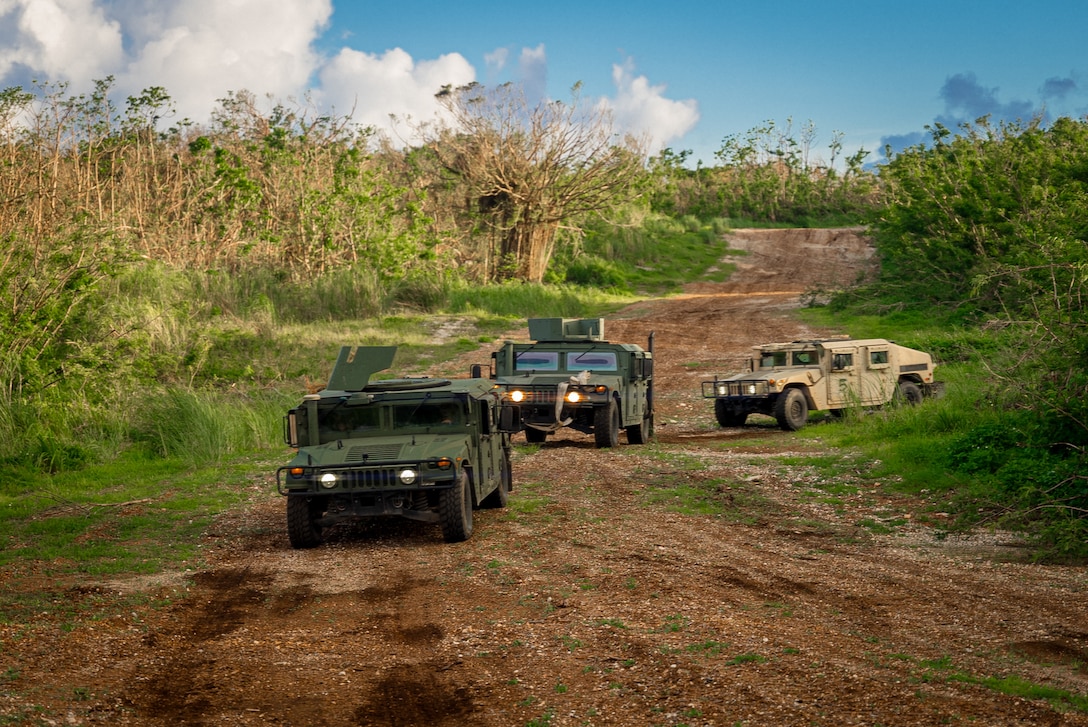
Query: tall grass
{"points": [[206, 427], [909, 444]]}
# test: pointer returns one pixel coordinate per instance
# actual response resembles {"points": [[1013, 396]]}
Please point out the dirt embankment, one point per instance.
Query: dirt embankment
{"points": [[591, 601]]}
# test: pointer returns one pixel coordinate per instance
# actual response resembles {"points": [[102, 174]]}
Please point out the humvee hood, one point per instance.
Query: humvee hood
{"points": [[376, 450], [792, 373]]}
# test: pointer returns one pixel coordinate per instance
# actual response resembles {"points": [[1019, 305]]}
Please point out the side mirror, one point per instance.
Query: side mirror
{"points": [[510, 419]]}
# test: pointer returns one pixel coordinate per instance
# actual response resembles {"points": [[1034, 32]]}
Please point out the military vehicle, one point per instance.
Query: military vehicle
{"points": [[788, 380], [427, 449], [570, 376]]}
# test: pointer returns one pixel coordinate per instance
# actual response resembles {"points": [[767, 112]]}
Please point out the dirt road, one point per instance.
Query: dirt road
{"points": [[602, 596]]}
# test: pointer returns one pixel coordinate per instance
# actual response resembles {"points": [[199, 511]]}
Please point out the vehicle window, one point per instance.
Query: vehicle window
{"points": [[427, 415], [772, 358], [343, 422], [878, 358], [842, 361], [804, 358], [537, 361], [591, 361]]}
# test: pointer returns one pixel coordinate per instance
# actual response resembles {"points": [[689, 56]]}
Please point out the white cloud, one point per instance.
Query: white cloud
{"points": [[62, 40], [199, 50], [372, 87], [496, 60], [643, 110], [533, 68]]}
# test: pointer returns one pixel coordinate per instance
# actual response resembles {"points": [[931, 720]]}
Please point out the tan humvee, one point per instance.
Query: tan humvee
{"points": [[788, 380]]}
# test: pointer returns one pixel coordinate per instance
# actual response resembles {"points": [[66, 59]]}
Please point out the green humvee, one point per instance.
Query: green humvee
{"points": [[427, 449], [569, 376]]}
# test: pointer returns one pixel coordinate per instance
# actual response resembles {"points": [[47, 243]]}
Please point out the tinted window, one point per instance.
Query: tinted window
{"points": [[537, 361], [348, 421], [840, 361], [426, 415], [878, 357], [591, 361]]}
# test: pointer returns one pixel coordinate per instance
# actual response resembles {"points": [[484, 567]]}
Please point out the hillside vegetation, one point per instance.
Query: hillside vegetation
{"points": [[165, 294]]}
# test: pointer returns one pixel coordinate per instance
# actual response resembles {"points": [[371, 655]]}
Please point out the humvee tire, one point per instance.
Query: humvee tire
{"points": [[910, 393], [642, 432], [606, 425], [535, 436], [302, 530], [791, 410], [455, 510], [726, 416]]}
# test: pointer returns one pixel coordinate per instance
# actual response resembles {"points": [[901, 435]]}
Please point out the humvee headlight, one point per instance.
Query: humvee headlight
{"points": [[722, 391], [517, 396], [328, 480], [573, 397], [751, 388], [408, 476]]}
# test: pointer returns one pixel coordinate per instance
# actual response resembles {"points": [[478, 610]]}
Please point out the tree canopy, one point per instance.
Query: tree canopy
{"points": [[529, 169]]}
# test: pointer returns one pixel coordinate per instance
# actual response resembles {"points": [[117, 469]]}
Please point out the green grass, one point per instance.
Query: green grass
{"points": [[651, 254], [943, 670], [134, 515]]}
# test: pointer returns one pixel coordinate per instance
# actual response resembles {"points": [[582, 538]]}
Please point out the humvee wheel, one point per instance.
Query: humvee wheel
{"points": [[909, 393], [501, 495], [302, 528], [455, 510], [535, 436], [640, 433], [727, 417], [606, 425], [791, 410]]}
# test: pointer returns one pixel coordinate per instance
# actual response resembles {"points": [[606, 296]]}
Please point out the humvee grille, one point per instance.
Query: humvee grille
{"points": [[375, 452], [369, 477], [535, 396]]}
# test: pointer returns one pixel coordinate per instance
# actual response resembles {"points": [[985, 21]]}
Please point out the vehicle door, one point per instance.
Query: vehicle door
{"points": [[489, 456], [880, 383], [842, 379], [632, 389], [634, 398]]}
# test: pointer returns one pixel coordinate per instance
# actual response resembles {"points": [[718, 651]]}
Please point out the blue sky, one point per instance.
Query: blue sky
{"points": [[684, 74]]}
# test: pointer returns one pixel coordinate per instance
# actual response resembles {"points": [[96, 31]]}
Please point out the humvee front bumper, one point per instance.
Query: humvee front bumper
{"points": [[737, 389], [554, 406], [342, 479]]}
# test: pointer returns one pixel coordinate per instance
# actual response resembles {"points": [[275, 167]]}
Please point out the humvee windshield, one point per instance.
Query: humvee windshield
{"points": [[804, 358], [426, 415], [772, 358], [537, 361], [348, 421], [796, 358], [573, 361], [591, 361]]}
